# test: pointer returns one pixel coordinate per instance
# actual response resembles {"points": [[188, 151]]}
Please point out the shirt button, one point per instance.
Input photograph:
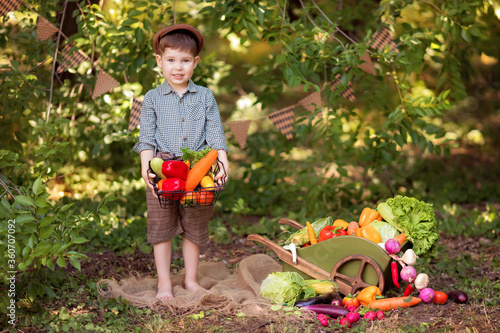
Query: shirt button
{"points": [[185, 138], [182, 119], [180, 100]]}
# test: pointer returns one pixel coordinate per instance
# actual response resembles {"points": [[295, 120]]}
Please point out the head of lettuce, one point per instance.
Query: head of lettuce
{"points": [[282, 287], [416, 219]]}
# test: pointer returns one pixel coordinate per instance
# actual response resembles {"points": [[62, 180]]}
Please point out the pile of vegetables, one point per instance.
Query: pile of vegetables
{"points": [[390, 225], [179, 178], [402, 218]]}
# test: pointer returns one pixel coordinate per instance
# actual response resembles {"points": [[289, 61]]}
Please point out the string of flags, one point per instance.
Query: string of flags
{"points": [[282, 119]]}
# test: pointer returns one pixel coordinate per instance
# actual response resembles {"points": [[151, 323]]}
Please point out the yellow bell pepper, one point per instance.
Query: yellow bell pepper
{"points": [[340, 223], [368, 295], [368, 215], [370, 233]]}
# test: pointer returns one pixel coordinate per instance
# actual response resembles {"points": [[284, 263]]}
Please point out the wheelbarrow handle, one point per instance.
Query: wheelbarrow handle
{"points": [[302, 264], [291, 223]]}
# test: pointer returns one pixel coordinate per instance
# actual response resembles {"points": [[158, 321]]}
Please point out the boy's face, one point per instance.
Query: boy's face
{"points": [[177, 67]]}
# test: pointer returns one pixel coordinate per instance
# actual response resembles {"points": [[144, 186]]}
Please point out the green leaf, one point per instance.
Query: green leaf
{"points": [[61, 262], [104, 209], [45, 232], [50, 292], [75, 262], [46, 221], [24, 218], [66, 207], [41, 202], [25, 200], [79, 240], [466, 35], [4, 213], [38, 186]]}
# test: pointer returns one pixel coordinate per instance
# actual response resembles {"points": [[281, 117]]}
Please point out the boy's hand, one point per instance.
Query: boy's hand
{"points": [[149, 181], [223, 174]]}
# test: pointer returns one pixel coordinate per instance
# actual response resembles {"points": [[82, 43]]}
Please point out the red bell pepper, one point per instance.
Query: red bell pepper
{"points": [[175, 169], [173, 185], [326, 233]]}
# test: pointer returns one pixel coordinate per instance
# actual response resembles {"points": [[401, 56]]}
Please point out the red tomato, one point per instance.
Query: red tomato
{"points": [[350, 301], [206, 198]]}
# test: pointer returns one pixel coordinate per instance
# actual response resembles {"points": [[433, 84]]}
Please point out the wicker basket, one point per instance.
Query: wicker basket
{"points": [[199, 197]]}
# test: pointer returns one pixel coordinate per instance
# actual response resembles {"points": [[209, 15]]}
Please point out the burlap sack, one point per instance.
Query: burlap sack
{"points": [[222, 291]]}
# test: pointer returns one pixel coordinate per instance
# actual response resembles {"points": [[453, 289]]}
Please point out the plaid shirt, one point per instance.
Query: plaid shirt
{"points": [[170, 122]]}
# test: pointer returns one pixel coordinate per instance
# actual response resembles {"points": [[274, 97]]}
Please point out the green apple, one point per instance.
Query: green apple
{"points": [[156, 165]]}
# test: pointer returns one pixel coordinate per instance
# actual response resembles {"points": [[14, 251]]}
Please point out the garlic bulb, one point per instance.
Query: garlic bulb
{"points": [[409, 257], [421, 281]]}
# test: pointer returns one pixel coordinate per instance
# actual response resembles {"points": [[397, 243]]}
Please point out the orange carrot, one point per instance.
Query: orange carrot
{"points": [[352, 228], [401, 238], [312, 236], [199, 170], [387, 304]]}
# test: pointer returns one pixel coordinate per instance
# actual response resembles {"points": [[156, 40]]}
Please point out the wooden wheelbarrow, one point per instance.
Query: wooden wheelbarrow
{"points": [[352, 262]]}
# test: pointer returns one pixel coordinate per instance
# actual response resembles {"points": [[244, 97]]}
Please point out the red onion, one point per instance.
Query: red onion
{"points": [[427, 295], [336, 302], [408, 273], [392, 246]]}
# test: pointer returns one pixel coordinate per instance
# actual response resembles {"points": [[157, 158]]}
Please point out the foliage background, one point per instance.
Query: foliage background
{"points": [[425, 125]]}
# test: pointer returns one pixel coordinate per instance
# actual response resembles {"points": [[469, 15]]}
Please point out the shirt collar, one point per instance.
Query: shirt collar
{"points": [[167, 89]]}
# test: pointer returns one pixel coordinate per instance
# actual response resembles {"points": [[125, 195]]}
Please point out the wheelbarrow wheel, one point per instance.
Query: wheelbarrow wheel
{"points": [[350, 285]]}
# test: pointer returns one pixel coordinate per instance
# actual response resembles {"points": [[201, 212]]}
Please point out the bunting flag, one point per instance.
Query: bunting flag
{"points": [[135, 114], [311, 102], [382, 38], [71, 59], [348, 93], [240, 131], [9, 5], [367, 66], [45, 29], [104, 84], [283, 120]]}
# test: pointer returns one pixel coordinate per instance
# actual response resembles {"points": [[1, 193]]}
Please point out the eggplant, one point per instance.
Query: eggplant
{"points": [[458, 296], [321, 299], [333, 311]]}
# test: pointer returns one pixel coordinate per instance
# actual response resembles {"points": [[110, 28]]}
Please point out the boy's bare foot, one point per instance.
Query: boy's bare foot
{"points": [[164, 293], [192, 285]]}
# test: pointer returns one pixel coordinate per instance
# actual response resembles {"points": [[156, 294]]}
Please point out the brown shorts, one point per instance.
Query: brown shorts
{"points": [[166, 223]]}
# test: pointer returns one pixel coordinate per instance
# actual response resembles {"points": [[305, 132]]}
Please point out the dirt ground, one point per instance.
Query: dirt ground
{"points": [[474, 316]]}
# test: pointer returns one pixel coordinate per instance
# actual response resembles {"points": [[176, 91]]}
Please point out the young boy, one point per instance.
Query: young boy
{"points": [[176, 115]]}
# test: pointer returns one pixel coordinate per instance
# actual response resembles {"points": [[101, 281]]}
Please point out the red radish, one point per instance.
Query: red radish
{"points": [[370, 315], [380, 314], [351, 308], [352, 317], [345, 322]]}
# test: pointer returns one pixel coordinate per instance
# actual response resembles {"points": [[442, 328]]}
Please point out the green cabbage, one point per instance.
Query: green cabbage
{"points": [[282, 287], [416, 219], [385, 230]]}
